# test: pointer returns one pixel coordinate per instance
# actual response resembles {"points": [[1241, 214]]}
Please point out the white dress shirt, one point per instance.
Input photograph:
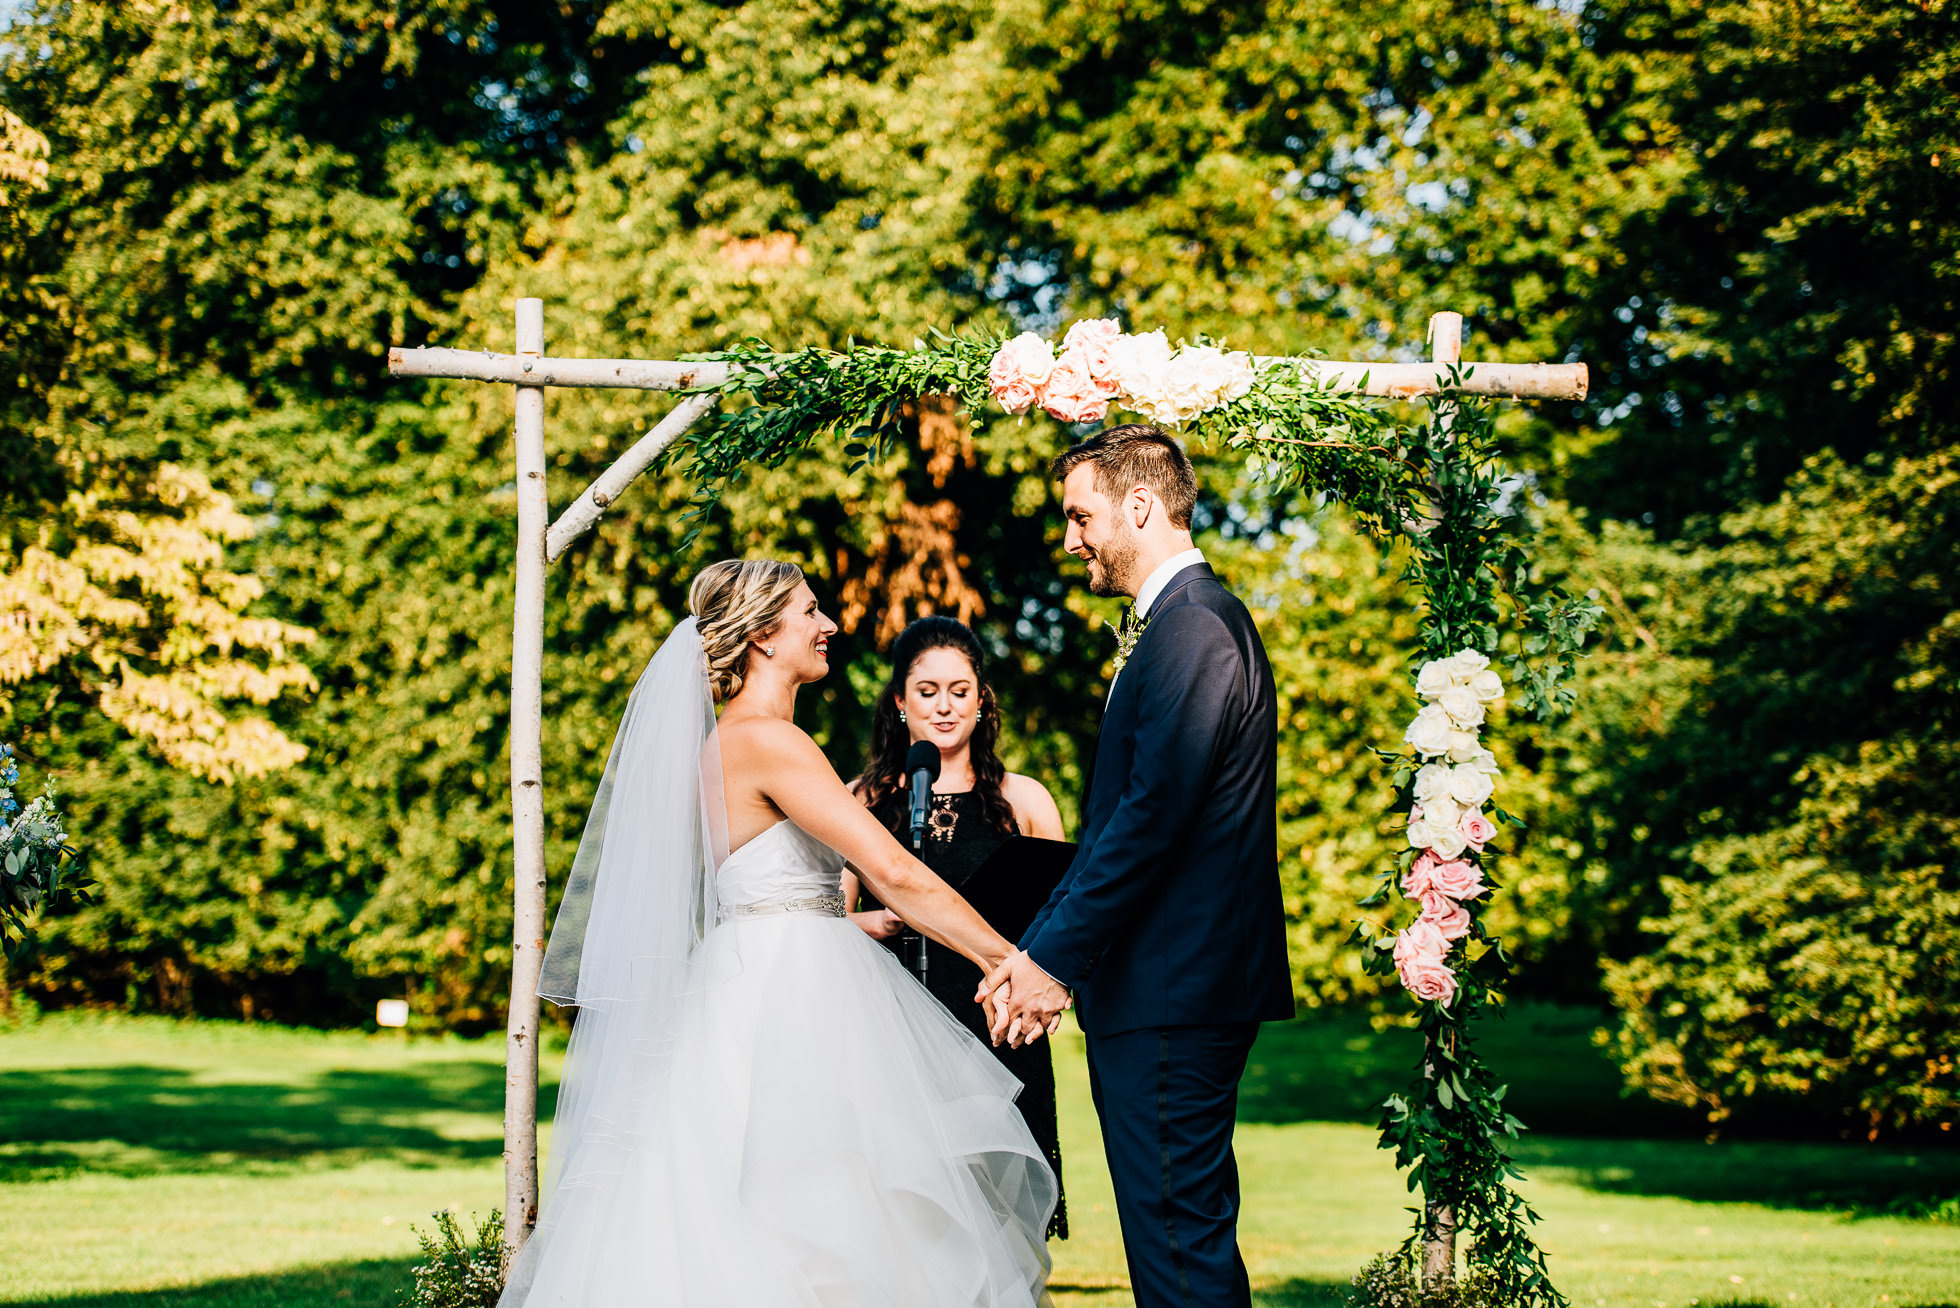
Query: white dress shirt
{"points": [[1154, 584]]}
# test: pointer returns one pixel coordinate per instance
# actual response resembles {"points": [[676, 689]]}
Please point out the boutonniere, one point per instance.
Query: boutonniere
{"points": [[1128, 632]]}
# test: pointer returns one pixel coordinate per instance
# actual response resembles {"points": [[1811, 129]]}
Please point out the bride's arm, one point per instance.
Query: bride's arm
{"points": [[878, 923], [793, 774]]}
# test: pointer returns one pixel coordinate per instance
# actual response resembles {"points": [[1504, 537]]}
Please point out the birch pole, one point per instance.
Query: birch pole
{"points": [[526, 796], [1438, 1218]]}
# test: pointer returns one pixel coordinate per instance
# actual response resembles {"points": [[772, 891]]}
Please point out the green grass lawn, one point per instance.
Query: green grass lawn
{"points": [[152, 1164]]}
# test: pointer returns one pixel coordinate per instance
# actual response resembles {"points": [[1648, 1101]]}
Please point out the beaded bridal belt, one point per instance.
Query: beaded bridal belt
{"points": [[831, 905]]}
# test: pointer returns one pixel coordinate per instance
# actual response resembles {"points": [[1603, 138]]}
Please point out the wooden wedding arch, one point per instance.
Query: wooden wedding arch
{"points": [[541, 540]]}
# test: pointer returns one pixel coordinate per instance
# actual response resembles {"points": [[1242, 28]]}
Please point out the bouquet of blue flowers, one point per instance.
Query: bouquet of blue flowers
{"points": [[39, 869]]}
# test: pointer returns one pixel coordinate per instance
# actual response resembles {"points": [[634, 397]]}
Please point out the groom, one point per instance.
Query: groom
{"points": [[1168, 928]]}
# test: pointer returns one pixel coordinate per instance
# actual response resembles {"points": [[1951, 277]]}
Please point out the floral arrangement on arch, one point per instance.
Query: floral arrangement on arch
{"points": [[1457, 777], [1101, 364]]}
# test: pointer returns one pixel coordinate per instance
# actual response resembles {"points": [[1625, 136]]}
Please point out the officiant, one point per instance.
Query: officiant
{"points": [[938, 693]]}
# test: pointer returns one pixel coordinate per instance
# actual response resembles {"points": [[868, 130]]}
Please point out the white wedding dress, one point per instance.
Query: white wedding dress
{"points": [[802, 1125]]}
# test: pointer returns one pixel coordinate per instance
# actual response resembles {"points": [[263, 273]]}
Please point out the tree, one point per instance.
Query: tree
{"points": [[1810, 954], [247, 205], [1668, 191]]}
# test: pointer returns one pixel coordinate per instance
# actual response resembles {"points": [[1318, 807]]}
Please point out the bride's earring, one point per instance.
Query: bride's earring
{"points": [[769, 651]]}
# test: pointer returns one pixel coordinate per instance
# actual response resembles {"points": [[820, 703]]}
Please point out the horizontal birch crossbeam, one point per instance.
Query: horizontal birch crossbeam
{"points": [[1515, 381], [482, 365], [1519, 381]]}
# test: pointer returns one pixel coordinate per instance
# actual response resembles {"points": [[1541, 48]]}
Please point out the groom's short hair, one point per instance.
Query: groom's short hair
{"points": [[1136, 454]]}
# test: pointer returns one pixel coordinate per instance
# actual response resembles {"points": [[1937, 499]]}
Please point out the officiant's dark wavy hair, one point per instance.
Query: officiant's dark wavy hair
{"points": [[890, 740]]}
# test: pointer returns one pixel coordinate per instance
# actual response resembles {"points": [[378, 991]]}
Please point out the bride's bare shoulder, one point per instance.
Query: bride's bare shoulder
{"points": [[761, 736]]}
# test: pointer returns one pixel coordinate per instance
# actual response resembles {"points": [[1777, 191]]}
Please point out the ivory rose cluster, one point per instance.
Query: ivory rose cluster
{"points": [[1100, 364], [1456, 779]]}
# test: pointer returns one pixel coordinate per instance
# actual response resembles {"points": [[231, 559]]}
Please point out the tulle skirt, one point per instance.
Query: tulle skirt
{"points": [[824, 1133]]}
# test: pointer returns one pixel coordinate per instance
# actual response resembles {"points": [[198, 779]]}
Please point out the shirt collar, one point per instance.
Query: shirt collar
{"points": [[1153, 586]]}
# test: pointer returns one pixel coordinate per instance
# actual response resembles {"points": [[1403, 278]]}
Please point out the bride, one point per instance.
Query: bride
{"points": [[760, 1107]]}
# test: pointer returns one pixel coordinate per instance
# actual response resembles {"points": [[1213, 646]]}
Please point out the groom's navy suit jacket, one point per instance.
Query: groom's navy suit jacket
{"points": [[1170, 914]]}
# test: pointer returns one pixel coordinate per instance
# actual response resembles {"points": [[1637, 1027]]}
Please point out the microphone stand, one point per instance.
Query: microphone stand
{"points": [[911, 943], [921, 770]]}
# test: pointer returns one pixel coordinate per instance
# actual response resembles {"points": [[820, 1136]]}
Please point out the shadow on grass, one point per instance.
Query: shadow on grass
{"points": [[138, 1120], [375, 1283], [1582, 1129], [1295, 1293], [1864, 1180], [1337, 1068], [1302, 1293]]}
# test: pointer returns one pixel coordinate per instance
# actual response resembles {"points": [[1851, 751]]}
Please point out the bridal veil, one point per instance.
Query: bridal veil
{"points": [[640, 897]]}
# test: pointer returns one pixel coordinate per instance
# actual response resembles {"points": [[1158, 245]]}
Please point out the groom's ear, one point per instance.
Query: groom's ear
{"points": [[1140, 504]]}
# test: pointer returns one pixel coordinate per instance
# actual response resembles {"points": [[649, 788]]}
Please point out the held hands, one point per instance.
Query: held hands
{"points": [[1022, 1002]]}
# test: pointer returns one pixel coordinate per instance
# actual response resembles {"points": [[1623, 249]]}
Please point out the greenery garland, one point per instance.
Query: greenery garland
{"points": [[1438, 487]]}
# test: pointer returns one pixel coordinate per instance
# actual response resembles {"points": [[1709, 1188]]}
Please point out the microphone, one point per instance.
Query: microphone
{"points": [[921, 769]]}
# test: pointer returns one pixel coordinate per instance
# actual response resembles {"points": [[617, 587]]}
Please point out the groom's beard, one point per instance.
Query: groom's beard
{"points": [[1110, 567]]}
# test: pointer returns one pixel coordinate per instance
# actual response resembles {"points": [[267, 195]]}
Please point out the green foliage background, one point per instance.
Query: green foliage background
{"points": [[1744, 217]]}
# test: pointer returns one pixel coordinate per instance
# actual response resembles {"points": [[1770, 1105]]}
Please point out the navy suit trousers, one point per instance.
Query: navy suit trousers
{"points": [[1167, 1130]]}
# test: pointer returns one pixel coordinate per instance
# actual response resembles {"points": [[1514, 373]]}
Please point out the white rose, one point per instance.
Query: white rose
{"points": [[1221, 377], [1470, 785], [1149, 405], [1483, 760], [1463, 746], [1467, 663], [1420, 832], [1487, 685], [1138, 365], [1435, 678], [1430, 732], [1187, 389], [1464, 709], [1448, 842], [1434, 786]]}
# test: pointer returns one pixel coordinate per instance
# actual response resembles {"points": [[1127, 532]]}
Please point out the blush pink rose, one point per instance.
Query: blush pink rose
{"points": [[1416, 882], [1070, 394], [1419, 953], [1477, 829], [1018, 372], [1417, 939], [1096, 338], [1448, 916], [1457, 879]]}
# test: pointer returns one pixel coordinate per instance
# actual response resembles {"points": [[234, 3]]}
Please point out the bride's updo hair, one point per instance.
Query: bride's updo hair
{"points": [[733, 602]]}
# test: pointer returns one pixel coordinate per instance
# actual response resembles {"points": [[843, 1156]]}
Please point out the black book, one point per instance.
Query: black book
{"points": [[1016, 880]]}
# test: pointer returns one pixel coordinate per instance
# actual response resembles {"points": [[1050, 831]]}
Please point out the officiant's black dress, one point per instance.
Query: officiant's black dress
{"points": [[958, 841]]}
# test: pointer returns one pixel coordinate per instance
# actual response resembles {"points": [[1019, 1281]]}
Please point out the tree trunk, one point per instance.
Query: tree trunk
{"points": [[526, 801], [1438, 1250]]}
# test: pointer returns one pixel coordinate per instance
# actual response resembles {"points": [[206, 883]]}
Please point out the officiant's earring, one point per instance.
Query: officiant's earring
{"points": [[901, 717]]}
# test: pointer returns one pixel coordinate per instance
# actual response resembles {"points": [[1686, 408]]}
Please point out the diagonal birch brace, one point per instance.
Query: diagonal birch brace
{"points": [[612, 483]]}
